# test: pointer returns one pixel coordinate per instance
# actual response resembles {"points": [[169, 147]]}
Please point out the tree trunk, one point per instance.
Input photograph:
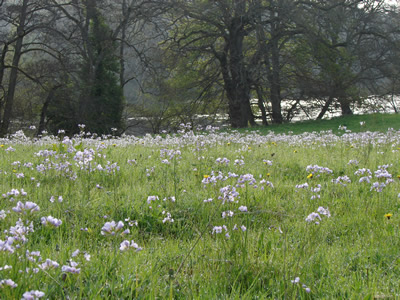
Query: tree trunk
{"points": [[345, 106], [235, 75], [325, 108], [275, 88], [43, 113], [262, 107], [9, 100]]}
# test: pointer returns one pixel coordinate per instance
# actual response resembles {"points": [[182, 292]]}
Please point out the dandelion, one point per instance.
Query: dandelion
{"points": [[310, 176], [388, 216]]}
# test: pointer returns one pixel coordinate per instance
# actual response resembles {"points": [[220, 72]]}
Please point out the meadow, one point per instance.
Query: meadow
{"points": [[205, 214]]}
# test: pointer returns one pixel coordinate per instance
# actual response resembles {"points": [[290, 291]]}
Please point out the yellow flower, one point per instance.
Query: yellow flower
{"points": [[295, 151], [206, 176], [228, 143], [398, 176], [114, 145], [273, 143], [268, 174], [387, 216], [2, 146], [310, 176], [249, 148]]}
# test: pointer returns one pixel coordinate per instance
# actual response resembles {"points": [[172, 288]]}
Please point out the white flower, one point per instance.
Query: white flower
{"points": [[125, 245], [311, 217], [296, 280], [151, 198], [243, 208], [71, 268], [32, 295], [8, 282], [49, 264], [27, 207], [50, 221], [87, 256], [324, 211], [228, 213], [217, 229], [111, 228]]}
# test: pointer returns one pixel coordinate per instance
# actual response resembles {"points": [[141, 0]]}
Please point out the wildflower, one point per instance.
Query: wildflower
{"points": [[324, 211], [388, 216], [309, 176], [151, 198], [32, 295], [217, 229], [267, 162], [167, 218], [2, 215], [243, 208], [228, 213], [27, 207], [49, 264], [111, 228], [50, 221], [313, 216], [75, 253], [302, 186], [243, 228], [296, 280], [6, 267], [71, 268], [7, 282], [125, 245]]}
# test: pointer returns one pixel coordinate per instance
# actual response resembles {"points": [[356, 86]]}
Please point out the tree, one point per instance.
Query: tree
{"points": [[20, 20], [217, 31]]}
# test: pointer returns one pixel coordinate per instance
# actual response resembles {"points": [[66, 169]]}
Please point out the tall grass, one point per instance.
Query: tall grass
{"points": [[215, 215]]}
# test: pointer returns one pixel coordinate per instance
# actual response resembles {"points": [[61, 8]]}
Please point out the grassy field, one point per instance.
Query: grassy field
{"points": [[373, 122], [213, 215]]}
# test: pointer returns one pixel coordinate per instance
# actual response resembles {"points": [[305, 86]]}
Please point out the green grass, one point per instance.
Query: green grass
{"points": [[373, 122], [351, 254]]}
